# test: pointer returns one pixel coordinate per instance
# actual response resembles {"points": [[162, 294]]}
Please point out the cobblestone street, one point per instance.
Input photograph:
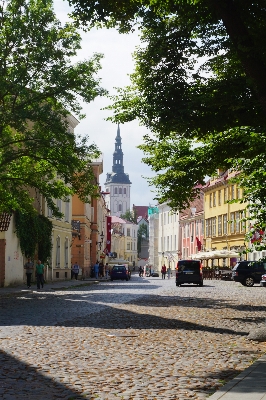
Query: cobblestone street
{"points": [[142, 339]]}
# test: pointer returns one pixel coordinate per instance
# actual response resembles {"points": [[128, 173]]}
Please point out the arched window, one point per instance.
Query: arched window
{"points": [[120, 207], [120, 190], [115, 190], [125, 191], [57, 256]]}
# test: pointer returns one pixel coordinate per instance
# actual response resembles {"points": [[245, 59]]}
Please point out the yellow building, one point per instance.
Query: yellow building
{"points": [[224, 229]]}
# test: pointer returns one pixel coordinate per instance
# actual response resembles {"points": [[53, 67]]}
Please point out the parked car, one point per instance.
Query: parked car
{"points": [[248, 272], [189, 271], [120, 272], [263, 280]]}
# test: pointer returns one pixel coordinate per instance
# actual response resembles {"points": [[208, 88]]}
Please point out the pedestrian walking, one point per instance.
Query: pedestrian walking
{"points": [[75, 271], [106, 271], [96, 269], [101, 266], [163, 271], [169, 272], [40, 274], [29, 266]]}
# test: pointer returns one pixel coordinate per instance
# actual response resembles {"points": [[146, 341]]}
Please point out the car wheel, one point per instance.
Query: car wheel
{"points": [[249, 281]]}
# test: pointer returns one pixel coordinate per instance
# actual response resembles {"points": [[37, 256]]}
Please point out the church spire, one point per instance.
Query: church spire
{"points": [[118, 154]]}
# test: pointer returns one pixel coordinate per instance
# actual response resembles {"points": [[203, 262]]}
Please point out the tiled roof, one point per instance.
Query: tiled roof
{"points": [[197, 203], [142, 211]]}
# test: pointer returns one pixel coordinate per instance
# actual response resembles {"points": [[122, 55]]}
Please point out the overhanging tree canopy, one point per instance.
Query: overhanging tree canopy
{"points": [[199, 79], [39, 88]]}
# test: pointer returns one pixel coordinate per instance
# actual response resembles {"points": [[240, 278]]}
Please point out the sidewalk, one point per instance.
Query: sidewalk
{"points": [[50, 286], [249, 385]]}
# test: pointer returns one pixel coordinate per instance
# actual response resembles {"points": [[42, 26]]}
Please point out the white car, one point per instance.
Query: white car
{"points": [[263, 280]]}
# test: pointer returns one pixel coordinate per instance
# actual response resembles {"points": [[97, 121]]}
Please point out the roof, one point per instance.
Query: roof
{"points": [[198, 204], [114, 218], [141, 211]]}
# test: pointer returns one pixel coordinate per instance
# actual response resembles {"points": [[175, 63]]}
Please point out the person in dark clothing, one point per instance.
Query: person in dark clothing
{"points": [[29, 266], [163, 271]]}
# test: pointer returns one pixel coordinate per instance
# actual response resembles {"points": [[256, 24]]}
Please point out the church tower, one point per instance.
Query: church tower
{"points": [[117, 182]]}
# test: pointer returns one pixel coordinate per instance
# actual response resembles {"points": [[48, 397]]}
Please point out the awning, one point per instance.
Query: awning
{"points": [[215, 254]]}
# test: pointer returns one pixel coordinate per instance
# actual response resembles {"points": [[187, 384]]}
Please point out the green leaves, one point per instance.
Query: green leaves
{"points": [[39, 89], [35, 234]]}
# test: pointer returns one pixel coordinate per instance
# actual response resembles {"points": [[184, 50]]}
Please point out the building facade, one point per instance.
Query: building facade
{"points": [[117, 183], [124, 240], [225, 228], [168, 236], [191, 222]]}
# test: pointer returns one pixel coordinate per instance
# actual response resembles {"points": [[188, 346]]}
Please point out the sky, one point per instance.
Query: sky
{"points": [[117, 64]]}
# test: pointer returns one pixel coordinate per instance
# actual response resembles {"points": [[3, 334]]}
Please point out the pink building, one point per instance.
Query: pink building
{"points": [[191, 232]]}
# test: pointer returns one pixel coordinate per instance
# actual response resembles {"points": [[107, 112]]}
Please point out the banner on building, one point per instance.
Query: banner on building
{"points": [[108, 236]]}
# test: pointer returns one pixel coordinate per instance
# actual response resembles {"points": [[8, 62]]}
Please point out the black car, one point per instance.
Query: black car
{"points": [[189, 271], [120, 272], [248, 272]]}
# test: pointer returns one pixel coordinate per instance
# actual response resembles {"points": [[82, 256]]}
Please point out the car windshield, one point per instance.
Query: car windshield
{"points": [[188, 266], [119, 269]]}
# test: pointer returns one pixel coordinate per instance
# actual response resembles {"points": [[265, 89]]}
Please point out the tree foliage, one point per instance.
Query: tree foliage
{"points": [[142, 234], [39, 87], [130, 216], [35, 234], [198, 85]]}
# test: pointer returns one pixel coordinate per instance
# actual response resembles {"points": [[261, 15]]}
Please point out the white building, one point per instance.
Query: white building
{"points": [[117, 183], [168, 236]]}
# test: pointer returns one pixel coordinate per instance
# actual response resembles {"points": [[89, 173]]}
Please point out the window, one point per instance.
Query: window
{"points": [[207, 228], [210, 226], [232, 222], [57, 256], [119, 207], [59, 206], [128, 231], [128, 246], [238, 193], [237, 221], [168, 243], [49, 213], [219, 225], [210, 200], [66, 252], [214, 226], [67, 211], [225, 224], [120, 190], [115, 190], [243, 223], [219, 197], [232, 192], [125, 191], [214, 199], [225, 195], [197, 228]]}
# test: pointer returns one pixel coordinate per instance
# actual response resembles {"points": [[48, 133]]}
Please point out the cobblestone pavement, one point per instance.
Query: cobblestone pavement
{"points": [[142, 339]]}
